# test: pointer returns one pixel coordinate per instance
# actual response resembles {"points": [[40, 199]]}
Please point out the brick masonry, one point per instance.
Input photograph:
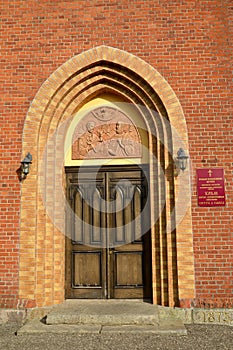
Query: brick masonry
{"points": [[189, 44]]}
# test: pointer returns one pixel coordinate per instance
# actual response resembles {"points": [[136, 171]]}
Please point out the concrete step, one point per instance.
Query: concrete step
{"points": [[104, 313], [36, 327], [105, 316]]}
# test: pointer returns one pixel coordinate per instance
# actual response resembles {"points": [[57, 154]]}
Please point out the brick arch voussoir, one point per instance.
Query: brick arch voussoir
{"points": [[81, 94], [52, 92], [60, 95], [54, 112]]}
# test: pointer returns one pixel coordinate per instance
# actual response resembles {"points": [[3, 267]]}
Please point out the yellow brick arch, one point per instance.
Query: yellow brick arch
{"points": [[72, 85]]}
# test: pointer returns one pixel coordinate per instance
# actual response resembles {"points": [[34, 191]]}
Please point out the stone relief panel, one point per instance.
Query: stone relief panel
{"points": [[106, 132]]}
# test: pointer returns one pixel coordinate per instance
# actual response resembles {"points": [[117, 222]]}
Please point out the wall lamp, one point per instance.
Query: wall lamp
{"points": [[181, 160], [25, 166]]}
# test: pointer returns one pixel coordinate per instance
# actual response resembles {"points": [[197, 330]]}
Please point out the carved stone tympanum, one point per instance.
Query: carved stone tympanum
{"points": [[106, 132]]}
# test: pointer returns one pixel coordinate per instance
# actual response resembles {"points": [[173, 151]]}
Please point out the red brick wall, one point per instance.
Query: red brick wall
{"points": [[188, 42]]}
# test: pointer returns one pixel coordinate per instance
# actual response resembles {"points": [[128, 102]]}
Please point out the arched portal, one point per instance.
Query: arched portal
{"points": [[104, 70], [108, 241]]}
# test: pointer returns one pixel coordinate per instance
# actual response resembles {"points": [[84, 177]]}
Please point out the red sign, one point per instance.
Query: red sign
{"points": [[210, 188]]}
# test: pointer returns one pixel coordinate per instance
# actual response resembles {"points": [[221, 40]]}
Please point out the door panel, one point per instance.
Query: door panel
{"points": [[105, 248], [128, 269], [87, 269], [85, 241]]}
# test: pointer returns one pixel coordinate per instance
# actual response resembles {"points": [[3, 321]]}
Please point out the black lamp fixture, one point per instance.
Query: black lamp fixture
{"points": [[182, 159], [25, 166]]}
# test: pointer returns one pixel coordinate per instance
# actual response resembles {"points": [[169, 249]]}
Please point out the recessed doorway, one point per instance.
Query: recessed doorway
{"points": [[108, 243]]}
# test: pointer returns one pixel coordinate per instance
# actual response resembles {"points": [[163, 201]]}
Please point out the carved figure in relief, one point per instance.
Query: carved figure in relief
{"points": [[88, 140], [104, 114], [122, 140], [105, 133]]}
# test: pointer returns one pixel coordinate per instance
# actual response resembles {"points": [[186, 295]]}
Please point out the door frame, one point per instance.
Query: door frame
{"points": [[146, 246]]}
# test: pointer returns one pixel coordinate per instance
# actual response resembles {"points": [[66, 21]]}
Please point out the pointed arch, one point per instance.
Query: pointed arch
{"points": [[80, 79]]}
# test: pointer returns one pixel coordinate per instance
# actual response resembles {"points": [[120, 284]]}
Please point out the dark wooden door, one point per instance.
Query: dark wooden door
{"points": [[108, 244]]}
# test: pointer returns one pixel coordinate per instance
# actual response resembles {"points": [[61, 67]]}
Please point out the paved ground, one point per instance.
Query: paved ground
{"points": [[199, 338]]}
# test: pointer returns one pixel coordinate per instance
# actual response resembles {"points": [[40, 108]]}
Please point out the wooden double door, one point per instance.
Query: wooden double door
{"points": [[108, 252]]}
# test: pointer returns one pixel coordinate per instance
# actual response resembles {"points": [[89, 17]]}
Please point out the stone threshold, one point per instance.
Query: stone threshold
{"points": [[36, 327], [187, 316]]}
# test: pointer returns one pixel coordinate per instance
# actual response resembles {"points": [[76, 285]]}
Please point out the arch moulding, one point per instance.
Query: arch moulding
{"points": [[79, 80]]}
